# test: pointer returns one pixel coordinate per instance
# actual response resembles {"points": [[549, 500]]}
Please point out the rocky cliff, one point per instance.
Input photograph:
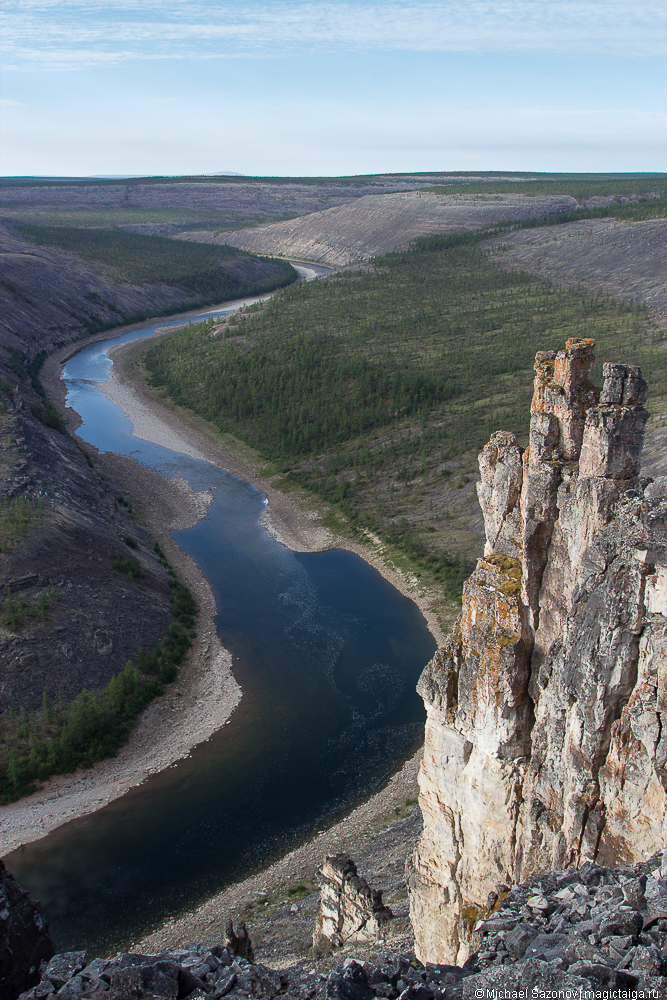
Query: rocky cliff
{"points": [[25, 943], [544, 740], [350, 911]]}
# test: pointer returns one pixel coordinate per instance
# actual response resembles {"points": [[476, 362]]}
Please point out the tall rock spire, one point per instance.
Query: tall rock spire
{"points": [[544, 743]]}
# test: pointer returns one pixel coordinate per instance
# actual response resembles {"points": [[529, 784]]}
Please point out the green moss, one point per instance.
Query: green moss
{"points": [[505, 563]]}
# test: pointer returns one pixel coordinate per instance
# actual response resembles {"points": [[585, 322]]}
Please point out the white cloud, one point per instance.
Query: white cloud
{"points": [[62, 33]]}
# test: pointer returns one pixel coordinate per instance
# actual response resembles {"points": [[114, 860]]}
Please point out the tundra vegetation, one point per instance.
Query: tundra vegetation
{"points": [[17, 518], [111, 216], [226, 202], [374, 389], [629, 200], [581, 186], [64, 736], [197, 268]]}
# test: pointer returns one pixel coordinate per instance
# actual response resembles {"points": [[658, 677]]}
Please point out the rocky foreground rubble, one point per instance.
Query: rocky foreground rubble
{"points": [[592, 930]]}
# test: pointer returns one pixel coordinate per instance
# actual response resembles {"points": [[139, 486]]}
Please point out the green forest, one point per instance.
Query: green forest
{"points": [[197, 268], [631, 211], [375, 389], [582, 187], [64, 736]]}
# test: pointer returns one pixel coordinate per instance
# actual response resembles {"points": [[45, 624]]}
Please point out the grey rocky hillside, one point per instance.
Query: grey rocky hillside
{"points": [[77, 619], [49, 298], [73, 619], [379, 223], [81, 589], [158, 205]]}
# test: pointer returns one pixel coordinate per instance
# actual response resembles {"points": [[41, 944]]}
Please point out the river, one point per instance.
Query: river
{"points": [[327, 654]]}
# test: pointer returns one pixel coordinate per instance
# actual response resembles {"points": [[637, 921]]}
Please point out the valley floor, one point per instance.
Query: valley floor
{"points": [[170, 727]]}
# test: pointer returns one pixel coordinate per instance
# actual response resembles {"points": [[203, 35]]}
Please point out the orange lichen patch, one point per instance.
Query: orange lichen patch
{"points": [[508, 567], [615, 850], [501, 897], [563, 392], [583, 343], [625, 754], [571, 366], [544, 362], [469, 917]]}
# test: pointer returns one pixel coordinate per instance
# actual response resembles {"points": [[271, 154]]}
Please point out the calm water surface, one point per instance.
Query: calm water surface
{"points": [[327, 654]]}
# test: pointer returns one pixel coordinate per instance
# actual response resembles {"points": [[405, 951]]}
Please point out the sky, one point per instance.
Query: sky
{"points": [[313, 87]]}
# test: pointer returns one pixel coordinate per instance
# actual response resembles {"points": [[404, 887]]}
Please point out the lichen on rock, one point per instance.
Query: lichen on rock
{"points": [[544, 739]]}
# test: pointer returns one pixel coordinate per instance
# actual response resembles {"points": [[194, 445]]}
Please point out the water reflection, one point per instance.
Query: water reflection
{"points": [[327, 654]]}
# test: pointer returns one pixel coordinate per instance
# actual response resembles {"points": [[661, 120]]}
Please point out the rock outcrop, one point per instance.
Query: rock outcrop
{"points": [[544, 738], [238, 941], [350, 911], [25, 941], [587, 933]]}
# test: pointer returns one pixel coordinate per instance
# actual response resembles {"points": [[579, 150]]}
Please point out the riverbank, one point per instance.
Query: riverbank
{"points": [[280, 903], [293, 518], [172, 724], [170, 727]]}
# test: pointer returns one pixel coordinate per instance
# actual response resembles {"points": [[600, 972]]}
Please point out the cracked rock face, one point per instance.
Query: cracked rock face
{"points": [[544, 738], [350, 911]]}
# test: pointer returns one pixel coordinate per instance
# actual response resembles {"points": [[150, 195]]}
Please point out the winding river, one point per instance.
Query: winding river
{"points": [[327, 654]]}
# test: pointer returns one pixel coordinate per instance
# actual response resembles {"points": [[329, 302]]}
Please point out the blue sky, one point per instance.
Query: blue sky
{"points": [[313, 87]]}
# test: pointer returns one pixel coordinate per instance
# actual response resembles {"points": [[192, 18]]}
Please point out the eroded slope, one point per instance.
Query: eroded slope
{"points": [[377, 224], [624, 259]]}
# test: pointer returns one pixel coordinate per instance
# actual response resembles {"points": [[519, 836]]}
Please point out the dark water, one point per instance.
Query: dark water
{"points": [[327, 654]]}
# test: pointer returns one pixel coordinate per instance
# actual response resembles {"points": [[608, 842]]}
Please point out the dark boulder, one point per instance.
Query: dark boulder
{"points": [[64, 967], [151, 979], [349, 983], [517, 940], [25, 941], [238, 942], [622, 922]]}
